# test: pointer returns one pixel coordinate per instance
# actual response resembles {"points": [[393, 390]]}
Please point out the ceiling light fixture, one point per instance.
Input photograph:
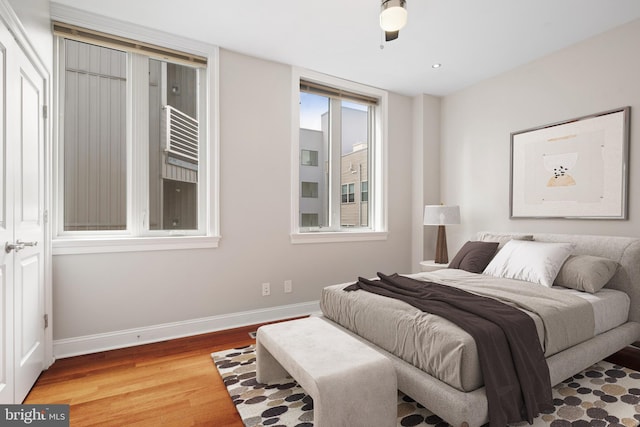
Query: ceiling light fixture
{"points": [[393, 17]]}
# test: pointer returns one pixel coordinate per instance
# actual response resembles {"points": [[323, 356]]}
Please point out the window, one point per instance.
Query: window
{"points": [[364, 191], [310, 189], [309, 158], [309, 219], [348, 193], [339, 127], [94, 137], [133, 142]]}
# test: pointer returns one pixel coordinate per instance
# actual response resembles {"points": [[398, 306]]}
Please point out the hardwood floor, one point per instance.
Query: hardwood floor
{"points": [[172, 383], [628, 356]]}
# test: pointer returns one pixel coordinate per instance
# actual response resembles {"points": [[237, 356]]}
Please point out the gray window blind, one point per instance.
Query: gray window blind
{"points": [[333, 92], [86, 35]]}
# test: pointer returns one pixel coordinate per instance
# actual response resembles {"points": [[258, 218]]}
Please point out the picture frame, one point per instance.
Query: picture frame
{"points": [[574, 169]]}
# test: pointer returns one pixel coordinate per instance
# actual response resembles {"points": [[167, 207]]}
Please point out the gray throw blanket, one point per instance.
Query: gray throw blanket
{"points": [[515, 372]]}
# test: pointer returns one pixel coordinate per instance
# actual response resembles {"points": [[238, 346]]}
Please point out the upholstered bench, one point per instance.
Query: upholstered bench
{"points": [[351, 384]]}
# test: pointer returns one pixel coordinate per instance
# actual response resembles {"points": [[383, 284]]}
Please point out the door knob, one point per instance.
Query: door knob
{"points": [[8, 247], [18, 245]]}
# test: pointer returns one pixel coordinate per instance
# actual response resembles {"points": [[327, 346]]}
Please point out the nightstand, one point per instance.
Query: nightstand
{"points": [[430, 265]]}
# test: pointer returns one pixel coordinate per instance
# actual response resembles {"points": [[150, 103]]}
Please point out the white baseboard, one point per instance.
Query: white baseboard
{"points": [[87, 344]]}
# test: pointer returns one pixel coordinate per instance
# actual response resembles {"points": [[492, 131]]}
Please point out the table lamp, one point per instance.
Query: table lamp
{"points": [[441, 215]]}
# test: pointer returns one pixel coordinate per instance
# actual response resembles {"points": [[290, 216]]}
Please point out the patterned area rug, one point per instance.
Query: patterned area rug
{"points": [[603, 395]]}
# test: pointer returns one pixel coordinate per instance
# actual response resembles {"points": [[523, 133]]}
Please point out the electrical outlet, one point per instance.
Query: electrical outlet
{"points": [[288, 286], [266, 289]]}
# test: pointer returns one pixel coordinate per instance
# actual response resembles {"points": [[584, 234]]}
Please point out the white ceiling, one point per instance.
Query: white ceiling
{"points": [[472, 39]]}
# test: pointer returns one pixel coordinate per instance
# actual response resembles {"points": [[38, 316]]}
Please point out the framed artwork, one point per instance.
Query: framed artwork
{"points": [[572, 169]]}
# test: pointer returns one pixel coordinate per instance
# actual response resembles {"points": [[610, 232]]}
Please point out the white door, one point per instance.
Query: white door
{"points": [[28, 198], [6, 235], [23, 229]]}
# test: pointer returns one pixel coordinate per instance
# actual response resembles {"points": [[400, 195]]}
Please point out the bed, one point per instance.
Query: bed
{"points": [[448, 381]]}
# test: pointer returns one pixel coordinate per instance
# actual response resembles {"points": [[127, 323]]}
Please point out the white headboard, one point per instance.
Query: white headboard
{"points": [[624, 250]]}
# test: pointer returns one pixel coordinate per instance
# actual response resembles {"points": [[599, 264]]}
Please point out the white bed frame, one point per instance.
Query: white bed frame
{"points": [[470, 408]]}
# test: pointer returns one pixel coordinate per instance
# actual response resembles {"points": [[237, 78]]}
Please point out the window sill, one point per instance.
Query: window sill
{"points": [[337, 236], [63, 246]]}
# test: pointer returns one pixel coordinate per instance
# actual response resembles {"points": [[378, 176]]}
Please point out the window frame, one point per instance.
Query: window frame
{"points": [[302, 214], [311, 157], [377, 229], [314, 191], [136, 237], [363, 192], [350, 193]]}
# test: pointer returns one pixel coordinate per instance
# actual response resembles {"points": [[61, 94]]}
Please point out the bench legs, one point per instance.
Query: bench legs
{"points": [[359, 399], [268, 369]]}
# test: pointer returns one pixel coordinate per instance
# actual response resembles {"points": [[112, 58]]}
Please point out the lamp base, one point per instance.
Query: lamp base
{"points": [[442, 256]]}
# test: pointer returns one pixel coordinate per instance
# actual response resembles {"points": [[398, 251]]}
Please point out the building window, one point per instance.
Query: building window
{"points": [[309, 189], [309, 158], [133, 139], [341, 123], [348, 193], [309, 219], [364, 191]]}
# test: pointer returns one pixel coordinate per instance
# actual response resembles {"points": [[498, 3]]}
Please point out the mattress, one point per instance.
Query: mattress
{"points": [[610, 307], [446, 352]]}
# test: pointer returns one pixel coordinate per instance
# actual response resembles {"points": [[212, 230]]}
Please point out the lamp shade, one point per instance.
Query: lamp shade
{"points": [[441, 215], [393, 15]]}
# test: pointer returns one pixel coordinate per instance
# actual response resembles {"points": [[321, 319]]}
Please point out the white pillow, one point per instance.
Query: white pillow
{"points": [[537, 262]]}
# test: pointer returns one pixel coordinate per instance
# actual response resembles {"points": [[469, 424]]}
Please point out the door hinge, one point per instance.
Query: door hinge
{"points": [[45, 216], [45, 112], [46, 321]]}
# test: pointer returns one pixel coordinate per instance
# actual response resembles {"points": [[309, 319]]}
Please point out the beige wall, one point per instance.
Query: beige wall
{"points": [[454, 149], [593, 76], [100, 293], [425, 169]]}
